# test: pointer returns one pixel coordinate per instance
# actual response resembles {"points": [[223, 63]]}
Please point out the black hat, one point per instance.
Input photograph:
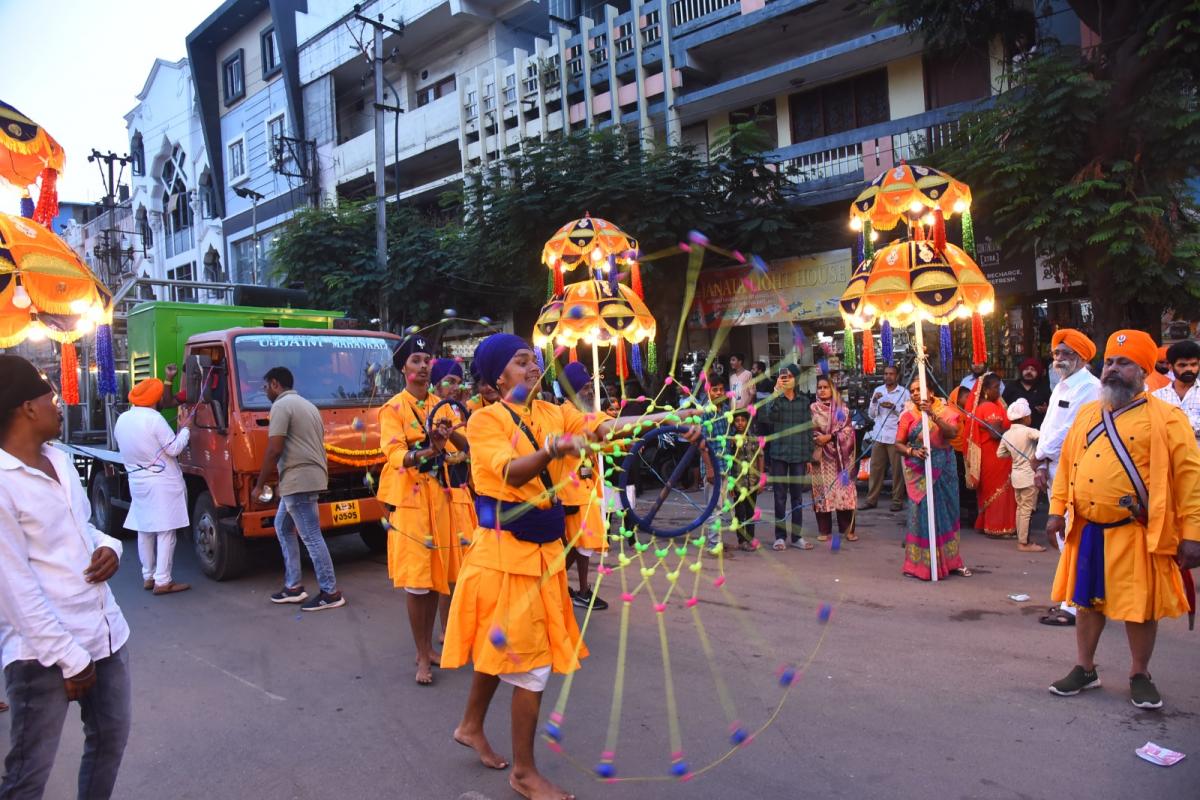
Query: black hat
{"points": [[20, 382], [416, 343]]}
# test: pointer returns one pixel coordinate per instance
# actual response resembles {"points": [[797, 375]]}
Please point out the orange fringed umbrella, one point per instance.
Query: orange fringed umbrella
{"points": [[595, 313], [28, 153], [905, 192], [589, 241], [45, 289]]}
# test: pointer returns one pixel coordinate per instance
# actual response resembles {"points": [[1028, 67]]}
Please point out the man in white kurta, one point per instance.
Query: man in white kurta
{"points": [[158, 495]]}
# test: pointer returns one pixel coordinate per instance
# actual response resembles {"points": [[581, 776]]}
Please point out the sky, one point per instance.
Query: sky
{"points": [[76, 66]]}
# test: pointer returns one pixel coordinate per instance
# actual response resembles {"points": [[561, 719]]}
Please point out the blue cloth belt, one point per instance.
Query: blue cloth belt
{"points": [[1089, 565], [526, 522]]}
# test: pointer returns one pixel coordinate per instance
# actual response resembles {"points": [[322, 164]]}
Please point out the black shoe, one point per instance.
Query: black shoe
{"points": [[1078, 680], [588, 598], [323, 601], [286, 595], [866, 506], [1142, 692]]}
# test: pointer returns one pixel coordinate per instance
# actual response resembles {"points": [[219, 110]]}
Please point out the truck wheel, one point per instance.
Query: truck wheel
{"points": [[375, 538], [107, 518], [222, 553]]}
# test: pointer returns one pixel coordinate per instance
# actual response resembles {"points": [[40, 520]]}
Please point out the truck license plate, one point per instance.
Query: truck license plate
{"points": [[345, 513]]}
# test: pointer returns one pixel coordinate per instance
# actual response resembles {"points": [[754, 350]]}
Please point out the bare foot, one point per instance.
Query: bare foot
{"points": [[535, 786], [424, 672], [435, 658], [1031, 548], [479, 743]]}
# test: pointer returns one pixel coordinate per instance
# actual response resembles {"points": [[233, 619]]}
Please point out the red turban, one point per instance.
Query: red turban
{"points": [[1075, 340], [1032, 362], [1137, 346], [146, 393]]}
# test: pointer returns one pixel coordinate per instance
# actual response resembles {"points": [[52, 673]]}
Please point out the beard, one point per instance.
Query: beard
{"points": [[1116, 393]]}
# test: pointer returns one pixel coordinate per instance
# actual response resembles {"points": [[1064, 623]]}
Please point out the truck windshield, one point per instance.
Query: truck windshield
{"points": [[330, 370]]}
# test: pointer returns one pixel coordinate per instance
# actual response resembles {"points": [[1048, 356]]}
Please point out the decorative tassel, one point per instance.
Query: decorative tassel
{"points": [[938, 234], [69, 378], [574, 356], [945, 347], [558, 281], [868, 245], [798, 340], [622, 367], [652, 357], [848, 356], [918, 231], [613, 276], [106, 368], [47, 204], [968, 233], [550, 283], [551, 368], [868, 352], [541, 359], [885, 340], [860, 251], [823, 366], [635, 360], [978, 340], [27, 206], [635, 279]]}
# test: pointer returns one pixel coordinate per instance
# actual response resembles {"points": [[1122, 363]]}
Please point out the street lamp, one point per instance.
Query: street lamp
{"points": [[254, 197]]}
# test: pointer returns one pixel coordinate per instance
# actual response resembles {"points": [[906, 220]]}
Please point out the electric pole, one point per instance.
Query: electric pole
{"points": [[377, 59]]}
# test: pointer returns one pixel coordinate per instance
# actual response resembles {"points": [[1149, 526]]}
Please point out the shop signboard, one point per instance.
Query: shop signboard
{"points": [[798, 288], [1009, 270]]}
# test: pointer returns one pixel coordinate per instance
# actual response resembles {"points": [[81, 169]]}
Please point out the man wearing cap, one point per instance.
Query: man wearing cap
{"points": [[1032, 386], [1182, 392], [62, 635], [1071, 351], [789, 414], [1019, 443], [1128, 478], [158, 495]]}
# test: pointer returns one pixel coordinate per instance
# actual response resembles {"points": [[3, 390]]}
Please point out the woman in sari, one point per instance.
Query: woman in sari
{"points": [[832, 470], [997, 500], [910, 441]]}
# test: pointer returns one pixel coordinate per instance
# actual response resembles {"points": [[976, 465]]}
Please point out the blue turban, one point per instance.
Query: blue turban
{"points": [[411, 344], [444, 367], [493, 354], [574, 375]]}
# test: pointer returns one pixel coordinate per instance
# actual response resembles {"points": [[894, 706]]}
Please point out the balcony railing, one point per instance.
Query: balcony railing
{"points": [[844, 158], [684, 11]]}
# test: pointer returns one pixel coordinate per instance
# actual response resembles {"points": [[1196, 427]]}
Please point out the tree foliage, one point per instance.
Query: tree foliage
{"points": [[1090, 158]]}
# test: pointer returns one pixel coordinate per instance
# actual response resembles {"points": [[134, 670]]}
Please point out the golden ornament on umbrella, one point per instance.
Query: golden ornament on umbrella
{"points": [[28, 153], [45, 289], [908, 192]]}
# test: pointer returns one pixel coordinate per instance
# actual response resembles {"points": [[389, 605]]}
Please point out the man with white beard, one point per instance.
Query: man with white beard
{"points": [[1071, 351]]}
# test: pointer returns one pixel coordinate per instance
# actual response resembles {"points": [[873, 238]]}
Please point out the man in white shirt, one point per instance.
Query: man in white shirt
{"points": [[62, 635], [158, 495], [1182, 392], [885, 408], [741, 383], [1072, 351]]}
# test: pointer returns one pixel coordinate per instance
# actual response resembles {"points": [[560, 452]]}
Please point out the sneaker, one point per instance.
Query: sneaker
{"points": [[589, 598], [323, 601], [286, 595], [1142, 692], [1078, 680]]}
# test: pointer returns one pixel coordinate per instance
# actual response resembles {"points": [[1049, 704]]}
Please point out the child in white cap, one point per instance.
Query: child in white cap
{"points": [[1019, 443]]}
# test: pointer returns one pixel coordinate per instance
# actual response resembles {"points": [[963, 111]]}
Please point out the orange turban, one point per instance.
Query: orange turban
{"points": [[1137, 346], [1075, 340], [146, 393], [1162, 353]]}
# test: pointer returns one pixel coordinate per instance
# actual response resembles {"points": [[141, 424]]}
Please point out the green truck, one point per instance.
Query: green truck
{"points": [[223, 352]]}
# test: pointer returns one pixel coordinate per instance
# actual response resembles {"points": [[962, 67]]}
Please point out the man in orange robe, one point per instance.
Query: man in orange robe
{"points": [[1135, 513]]}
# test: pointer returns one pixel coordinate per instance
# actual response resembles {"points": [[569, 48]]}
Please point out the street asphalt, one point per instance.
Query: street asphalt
{"points": [[910, 690]]}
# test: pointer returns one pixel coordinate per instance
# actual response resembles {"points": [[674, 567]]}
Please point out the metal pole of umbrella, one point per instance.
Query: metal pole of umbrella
{"points": [[599, 409], [925, 421]]}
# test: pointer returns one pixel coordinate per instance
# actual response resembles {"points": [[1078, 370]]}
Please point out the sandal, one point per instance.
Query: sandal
{"points": [[801, 544], [851, 537], [964, 572], [780, 544], [824, 537], [1058, 618]]}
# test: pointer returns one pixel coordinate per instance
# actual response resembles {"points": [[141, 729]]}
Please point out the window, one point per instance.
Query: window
{"points": [[233, 72], [237, 160], [183, 294], [242, 258], [275, 134], [762, 115], [143, 228], [208, 200], [510, 89], [472, 106], [137, 152], [269, 43], [176, 205], [842, 106], [428, 94]]}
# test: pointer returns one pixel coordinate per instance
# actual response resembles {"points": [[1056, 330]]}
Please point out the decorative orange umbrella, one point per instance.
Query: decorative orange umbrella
{"points": [[908, 192], [28, 153], [45, 289], [590, 240], [594, 313]]}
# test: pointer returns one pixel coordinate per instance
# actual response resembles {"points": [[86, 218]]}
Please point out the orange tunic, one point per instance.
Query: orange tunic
{"points": [[587, 527], [419, 536], [1141, 579], [511, 611], [460, 502]]}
